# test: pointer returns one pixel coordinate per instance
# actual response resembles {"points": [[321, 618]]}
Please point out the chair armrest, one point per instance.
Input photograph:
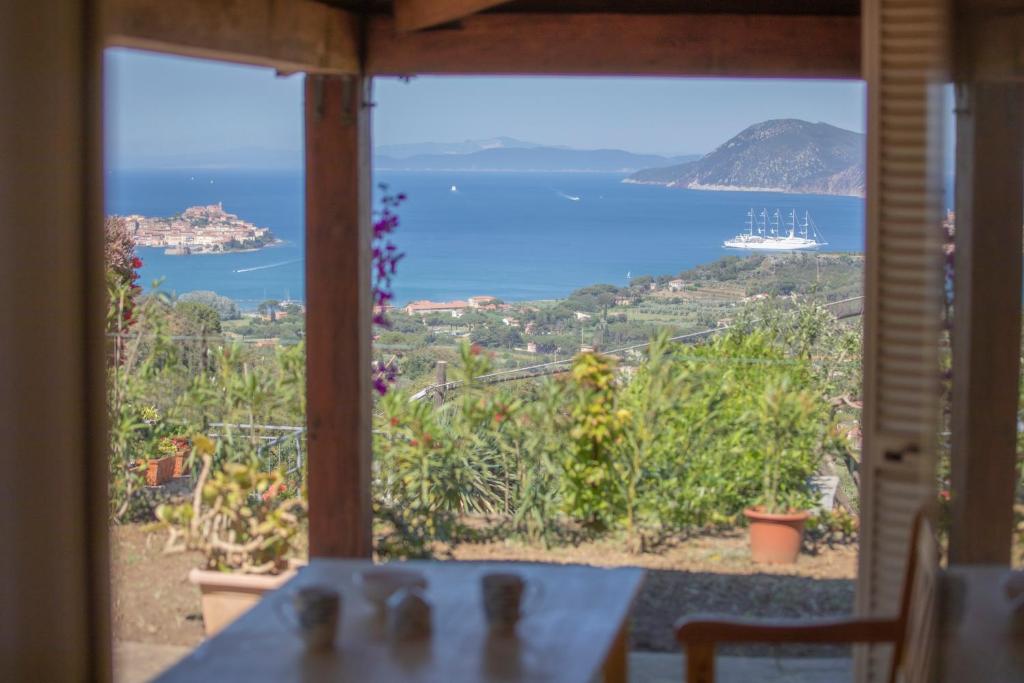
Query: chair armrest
{"points": [[710, 630]]}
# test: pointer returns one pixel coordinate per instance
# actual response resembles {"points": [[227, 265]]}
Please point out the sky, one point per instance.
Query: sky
{"points": [[161, 107]]}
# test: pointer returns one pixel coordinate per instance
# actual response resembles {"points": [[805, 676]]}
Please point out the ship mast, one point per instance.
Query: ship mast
{"points": [[762, 226], [775, 223], [792, 223], [750, 222]]}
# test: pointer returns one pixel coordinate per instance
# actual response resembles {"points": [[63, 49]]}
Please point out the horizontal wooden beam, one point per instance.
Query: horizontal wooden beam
{"points": [[414, 15], [989, 46], [289, 35], [775, 46]]}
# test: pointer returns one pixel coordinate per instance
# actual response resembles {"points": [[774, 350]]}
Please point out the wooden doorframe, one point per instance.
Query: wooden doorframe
{"points": [[54, 579], [987, 291]]}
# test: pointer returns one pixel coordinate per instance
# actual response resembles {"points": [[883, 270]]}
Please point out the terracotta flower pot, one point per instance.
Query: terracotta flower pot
{"points": [[225, 596], [181, 456], [159, 470], [775, 538], [180, 465]]}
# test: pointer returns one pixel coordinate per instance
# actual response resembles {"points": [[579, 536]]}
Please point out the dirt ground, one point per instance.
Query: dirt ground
{"points": [[154, 602]]}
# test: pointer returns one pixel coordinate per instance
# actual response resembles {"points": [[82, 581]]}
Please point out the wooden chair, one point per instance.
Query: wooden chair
{"points": [[911, 632]]}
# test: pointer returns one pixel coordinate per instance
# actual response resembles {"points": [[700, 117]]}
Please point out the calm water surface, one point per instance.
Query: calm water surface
{"points": [[513, 235]]}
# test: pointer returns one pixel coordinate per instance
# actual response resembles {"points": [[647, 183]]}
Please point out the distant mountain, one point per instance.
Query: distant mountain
{"points": [[783, 155], [528, 159], [464, 147]]}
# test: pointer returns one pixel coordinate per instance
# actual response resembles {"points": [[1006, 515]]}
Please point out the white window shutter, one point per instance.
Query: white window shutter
{"points": [[904, 62]]}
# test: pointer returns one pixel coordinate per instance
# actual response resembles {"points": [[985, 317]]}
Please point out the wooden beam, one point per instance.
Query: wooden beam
{"points": [[338, 311], [987, 319], [288, 35], [414, 15], [990, 45], [54, 582], [620, 44]]}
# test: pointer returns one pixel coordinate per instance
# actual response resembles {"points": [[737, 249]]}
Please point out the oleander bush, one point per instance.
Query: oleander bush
{"points": [[684, 439]]}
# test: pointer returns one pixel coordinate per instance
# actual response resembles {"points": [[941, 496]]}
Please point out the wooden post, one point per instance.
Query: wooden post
{"points": [[440, 379], [54, 583], [338, 315], [987, 319], [700, 663]]}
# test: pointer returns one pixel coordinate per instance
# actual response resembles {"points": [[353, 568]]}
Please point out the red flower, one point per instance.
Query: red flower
{"points": [[275, 490], [394, 422], [414, 443], [475, 349], [498, 417], [136, 262]]}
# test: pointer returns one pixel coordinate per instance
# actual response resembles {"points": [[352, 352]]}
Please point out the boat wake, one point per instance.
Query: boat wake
{"points": [[269, 265], [571, 198]]}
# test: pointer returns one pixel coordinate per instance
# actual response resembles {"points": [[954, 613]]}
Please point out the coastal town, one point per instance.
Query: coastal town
{"points": [[198, 230]]}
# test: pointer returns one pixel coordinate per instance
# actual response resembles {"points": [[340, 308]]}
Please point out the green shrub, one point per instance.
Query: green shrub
{"points": [[687, 439]]}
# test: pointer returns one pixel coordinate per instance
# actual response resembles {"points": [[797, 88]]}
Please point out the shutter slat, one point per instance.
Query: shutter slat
{"points": [[905, 53]]}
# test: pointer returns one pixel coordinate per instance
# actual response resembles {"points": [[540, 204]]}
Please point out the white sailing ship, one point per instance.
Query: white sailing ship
{"points": [[770, 235]]}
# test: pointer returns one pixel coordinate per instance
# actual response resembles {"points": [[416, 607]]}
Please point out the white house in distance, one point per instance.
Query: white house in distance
{"points": [[454, 308], [482, 301]]}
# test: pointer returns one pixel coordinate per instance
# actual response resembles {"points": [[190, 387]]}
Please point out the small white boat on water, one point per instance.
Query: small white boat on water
{"points": [[454, 189], [765, 235]]}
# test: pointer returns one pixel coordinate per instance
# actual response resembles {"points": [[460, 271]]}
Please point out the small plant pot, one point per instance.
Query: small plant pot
{"points": [[775, 538], [159, 471], [181, 456], [180, 465], [225, 596]]}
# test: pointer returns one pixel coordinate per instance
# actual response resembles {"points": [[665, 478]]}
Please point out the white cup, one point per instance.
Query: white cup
{"points": [[313, 614], [505, 598]]}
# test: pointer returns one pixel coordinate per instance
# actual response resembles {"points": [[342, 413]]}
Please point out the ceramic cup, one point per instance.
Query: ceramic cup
{"points": [[504, 598], [380, 583], [409, 614], [314, 615]]}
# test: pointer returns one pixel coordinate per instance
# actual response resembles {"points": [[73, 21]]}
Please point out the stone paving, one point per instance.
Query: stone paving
{"points": [[658, 667], [141, 662]]}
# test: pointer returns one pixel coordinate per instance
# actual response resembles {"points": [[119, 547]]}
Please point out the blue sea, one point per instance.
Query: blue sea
{"points": [[512, 235]]}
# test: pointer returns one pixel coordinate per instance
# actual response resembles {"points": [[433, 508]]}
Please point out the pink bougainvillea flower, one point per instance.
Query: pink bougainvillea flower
{"points": [[383, 268]]}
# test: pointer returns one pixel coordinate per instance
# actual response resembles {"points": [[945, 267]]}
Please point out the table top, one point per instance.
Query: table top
{"points": [[565, 634], [979, 639]]}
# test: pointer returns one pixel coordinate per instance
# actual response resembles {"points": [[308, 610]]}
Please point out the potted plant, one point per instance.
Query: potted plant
{"points": [[160, 470], [182, 449], [787, 433], [244, 523]]}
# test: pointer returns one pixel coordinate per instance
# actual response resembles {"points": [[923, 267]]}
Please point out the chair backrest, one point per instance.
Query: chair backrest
{"points": [[914, 651]]}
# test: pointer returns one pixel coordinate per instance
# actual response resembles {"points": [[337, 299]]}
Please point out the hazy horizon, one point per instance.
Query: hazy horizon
{"points": [[162, 108]]}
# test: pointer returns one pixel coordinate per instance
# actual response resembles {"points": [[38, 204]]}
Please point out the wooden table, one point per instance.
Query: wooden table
{"points": [[575, 631], [978, 640]]}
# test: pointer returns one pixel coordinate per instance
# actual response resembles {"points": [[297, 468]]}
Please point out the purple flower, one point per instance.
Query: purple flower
{"points": [[384, 267]]}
